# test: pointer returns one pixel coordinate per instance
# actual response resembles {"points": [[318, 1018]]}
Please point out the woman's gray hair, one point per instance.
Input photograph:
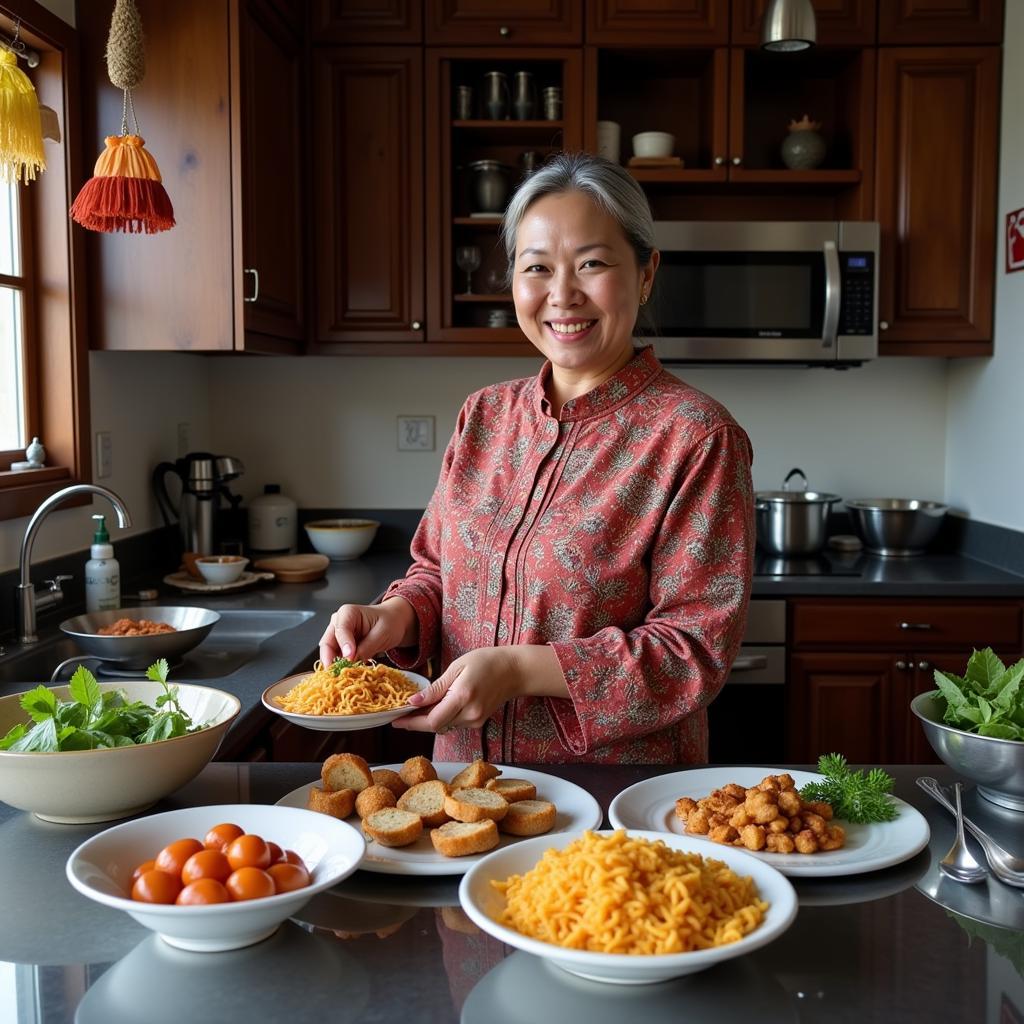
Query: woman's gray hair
{"points": [[608, 185]]}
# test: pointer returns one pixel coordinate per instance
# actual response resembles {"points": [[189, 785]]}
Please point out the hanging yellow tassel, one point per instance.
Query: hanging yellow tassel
{"points": [[21, 132]]}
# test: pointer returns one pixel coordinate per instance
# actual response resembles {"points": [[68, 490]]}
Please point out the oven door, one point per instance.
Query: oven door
{"points": [[746, 721]]}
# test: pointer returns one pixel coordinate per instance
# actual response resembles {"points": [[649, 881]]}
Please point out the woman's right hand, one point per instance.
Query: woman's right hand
{"points": [[360, 631]]}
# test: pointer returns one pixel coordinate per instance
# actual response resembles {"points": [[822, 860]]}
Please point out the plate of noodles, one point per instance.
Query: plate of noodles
{"points": [[629, 908], [344, 696]]}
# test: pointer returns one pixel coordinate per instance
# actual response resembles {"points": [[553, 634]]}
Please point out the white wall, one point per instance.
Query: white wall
{"points": [[985, 426]]}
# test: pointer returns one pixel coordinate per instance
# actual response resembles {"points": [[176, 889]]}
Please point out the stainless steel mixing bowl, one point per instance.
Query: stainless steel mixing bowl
{"points": [[896, 526], [191, 626], [997, 766]]}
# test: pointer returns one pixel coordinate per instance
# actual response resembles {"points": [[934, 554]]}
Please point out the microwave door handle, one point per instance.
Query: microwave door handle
{"points": [[833, 288]]}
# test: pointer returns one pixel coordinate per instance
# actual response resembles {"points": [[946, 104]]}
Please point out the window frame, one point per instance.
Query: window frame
{"points": [[53, 265]]}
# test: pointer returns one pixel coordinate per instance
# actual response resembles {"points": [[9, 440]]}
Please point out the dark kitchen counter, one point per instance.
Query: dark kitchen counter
{"points": [[898, 945]]}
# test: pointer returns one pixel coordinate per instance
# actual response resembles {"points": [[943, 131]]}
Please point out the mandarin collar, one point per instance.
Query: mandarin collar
{"points": [[633, 377]]}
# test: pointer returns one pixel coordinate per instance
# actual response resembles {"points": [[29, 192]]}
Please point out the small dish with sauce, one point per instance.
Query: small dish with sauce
{"points": [[342, 539], [221, 568]]}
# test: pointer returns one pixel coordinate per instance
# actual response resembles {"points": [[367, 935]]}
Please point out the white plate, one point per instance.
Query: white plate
{"points": [[483, 903], [183, 581], [336, 723], [651, 805], [577, 811]]}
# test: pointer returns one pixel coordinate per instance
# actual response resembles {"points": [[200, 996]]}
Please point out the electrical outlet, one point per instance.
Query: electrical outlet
{"points": [[184, 440], [104, 454], [415, 433]]}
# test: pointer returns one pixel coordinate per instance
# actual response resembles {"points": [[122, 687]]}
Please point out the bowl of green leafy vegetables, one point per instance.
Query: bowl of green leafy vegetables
{"points": [[93, 751], [975, 723]]}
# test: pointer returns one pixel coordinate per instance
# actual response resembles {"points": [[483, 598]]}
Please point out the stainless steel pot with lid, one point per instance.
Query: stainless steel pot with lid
{"points": [[793, 522]]}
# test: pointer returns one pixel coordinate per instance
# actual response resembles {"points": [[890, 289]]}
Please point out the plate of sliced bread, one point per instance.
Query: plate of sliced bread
{"points": [[422, 818]]}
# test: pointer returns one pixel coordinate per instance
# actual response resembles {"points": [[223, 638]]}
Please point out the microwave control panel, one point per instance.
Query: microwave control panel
{"points": [[856, 310]]}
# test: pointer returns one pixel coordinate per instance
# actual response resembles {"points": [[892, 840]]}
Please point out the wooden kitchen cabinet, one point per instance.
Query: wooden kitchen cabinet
{"points": [[940, 22], [504, 22], [839, 22], [368, 242], [228, 139], [937, 150], [347, 23], [855, 667], [647, 22]]}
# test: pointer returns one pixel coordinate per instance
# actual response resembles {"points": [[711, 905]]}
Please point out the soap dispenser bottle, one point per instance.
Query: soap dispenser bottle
{"points": [[102, 573]]}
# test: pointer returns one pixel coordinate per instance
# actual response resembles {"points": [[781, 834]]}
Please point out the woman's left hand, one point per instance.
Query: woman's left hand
{"points": [[474, 686]]}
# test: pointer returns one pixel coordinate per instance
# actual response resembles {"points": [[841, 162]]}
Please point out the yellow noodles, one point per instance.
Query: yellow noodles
{"points": [[358, 690], [617, 894]]}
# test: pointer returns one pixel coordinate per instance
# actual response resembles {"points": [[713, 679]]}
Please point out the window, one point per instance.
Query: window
{"points": [[44, 368]]}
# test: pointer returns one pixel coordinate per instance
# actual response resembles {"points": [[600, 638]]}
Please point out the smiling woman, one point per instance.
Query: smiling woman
{"points": [[44, 380]]}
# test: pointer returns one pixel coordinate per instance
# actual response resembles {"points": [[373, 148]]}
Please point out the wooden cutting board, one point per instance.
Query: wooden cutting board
{"points": [[295, 568]]}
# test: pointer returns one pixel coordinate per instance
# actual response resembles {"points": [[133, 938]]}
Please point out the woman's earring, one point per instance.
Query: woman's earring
{"points": [[643, 298]]}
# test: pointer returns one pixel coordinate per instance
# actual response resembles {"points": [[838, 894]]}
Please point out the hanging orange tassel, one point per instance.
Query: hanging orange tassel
{"points": [[125, 192]]}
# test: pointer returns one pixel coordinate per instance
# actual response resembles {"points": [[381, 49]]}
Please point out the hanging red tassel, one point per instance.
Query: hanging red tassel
{"points": [[126, 192]]}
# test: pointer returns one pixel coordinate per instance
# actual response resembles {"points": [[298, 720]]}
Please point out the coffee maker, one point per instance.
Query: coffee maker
{"points": [[203, 478]]}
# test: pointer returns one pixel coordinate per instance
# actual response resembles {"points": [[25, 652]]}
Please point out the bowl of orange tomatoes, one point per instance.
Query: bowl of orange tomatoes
{"points": [[213, 878]]}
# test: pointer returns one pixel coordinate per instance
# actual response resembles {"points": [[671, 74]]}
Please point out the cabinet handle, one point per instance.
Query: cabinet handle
{"points": [[750, 663], [883, 325], [719, 160], [901, 665], [923, 666], [504, 31], [255, 286], [737, 160], [915, 625], [417, 325]]}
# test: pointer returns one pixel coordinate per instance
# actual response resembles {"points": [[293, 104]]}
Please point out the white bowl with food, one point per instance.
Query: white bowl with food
{"points": [[342, 539], [293, 698], [101, 869], [221, 568], [653, 144], [78, 786], [573, 874]]}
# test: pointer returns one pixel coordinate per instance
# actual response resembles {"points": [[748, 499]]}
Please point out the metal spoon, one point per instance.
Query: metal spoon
{"points": [[959, 864], [1005, 866]]}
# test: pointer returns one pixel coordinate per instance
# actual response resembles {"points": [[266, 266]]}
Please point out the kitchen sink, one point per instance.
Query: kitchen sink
{"points": [[232, 643]]}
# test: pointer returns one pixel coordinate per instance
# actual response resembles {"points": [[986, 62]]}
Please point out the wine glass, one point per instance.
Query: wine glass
{"points": [[467, 258]]}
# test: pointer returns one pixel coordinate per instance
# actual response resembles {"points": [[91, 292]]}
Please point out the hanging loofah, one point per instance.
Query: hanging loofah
{"points": [[21, 133], [126, 55], [125, 192]]}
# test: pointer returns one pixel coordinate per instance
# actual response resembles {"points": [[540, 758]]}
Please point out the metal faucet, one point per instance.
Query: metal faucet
{"points": [[28, 603]]}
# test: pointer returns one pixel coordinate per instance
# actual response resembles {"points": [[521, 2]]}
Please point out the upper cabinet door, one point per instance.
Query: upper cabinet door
{"points": [[658, 22], [504, 22], [840, 22], [940, 22], [345, 22], [368, 194], [937, 146], [271, 165]]}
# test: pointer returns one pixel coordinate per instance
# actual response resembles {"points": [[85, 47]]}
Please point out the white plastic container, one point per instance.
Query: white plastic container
{"points": [[102, 572], [273, 521]]}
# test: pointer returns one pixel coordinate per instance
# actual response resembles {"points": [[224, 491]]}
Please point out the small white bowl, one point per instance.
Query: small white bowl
{"points": [[78, 786], [483, 903], [342, 539], [102, 866], [221, 568], [653, 144]]}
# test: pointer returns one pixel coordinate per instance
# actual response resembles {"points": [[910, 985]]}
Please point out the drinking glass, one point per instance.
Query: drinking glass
{"points": [[467, 257]]}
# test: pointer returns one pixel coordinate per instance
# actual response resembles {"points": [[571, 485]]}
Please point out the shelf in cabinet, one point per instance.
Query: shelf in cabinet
{"points": [[676, 175], [477, 297], [778, 176], [531, 125]]}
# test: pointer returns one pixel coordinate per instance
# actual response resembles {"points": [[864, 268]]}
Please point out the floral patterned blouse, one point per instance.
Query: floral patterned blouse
{"points": [[621, 533]]}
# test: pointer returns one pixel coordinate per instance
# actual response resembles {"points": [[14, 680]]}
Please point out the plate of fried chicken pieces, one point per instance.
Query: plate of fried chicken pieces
{"points": [[761, 810]]}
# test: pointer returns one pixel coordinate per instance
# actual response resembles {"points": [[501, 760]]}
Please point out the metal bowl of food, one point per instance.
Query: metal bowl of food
{"points": [[995, 765], [136, 637], [896, 526]]}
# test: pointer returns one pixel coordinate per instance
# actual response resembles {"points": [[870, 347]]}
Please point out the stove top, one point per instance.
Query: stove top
{"points": [[827, 563]]}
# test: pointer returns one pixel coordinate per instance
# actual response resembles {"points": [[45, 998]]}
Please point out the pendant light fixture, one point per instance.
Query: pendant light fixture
{"points": [[788, 26]]}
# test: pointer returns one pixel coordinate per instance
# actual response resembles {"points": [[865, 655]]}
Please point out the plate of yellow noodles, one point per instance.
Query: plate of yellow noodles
{"points": [[344, 695], [628, 907]]}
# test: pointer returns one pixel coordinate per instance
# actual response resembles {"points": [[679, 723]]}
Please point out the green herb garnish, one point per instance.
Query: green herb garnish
{"points": [[342, 663], [855, 796], [988, 699], [94, 718]]}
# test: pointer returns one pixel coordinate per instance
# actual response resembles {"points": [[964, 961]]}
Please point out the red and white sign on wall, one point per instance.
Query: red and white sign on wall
{"points": [[1015, 240]]}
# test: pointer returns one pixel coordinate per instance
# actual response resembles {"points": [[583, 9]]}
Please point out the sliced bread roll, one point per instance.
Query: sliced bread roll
{"points": [[374, 798], [426, 800], [528, 818], [346, 771], [460, 838], [416, 770], [475, 805], [392, 827], [389, 778], [475, 775], [338, 804], [513, 789]]}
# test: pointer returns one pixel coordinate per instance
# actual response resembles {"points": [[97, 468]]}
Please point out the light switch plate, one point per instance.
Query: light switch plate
{"points": [[415, 433]]}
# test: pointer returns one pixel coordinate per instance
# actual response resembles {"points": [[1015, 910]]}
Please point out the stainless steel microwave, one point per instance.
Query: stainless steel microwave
{"points": [[766, 291]]}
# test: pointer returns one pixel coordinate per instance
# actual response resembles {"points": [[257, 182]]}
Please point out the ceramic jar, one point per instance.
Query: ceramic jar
{"points": [[803, 149]]}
